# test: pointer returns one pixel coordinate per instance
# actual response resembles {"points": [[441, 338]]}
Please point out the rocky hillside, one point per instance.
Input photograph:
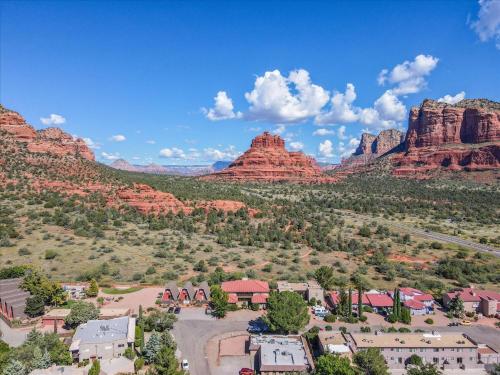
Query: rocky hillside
{"points": [[50, 160], [173, 170], [268, 160], [385, 141], [51, 140]]}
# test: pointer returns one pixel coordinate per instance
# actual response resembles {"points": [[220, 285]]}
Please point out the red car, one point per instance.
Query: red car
{"points": [[246, 371]]}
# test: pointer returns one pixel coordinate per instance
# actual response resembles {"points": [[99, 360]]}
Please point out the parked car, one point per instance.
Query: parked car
{"points": [[465, 322], [246, 371], [177, 310], [185, 364], [170, 310], [257, 326], [453, 324]]}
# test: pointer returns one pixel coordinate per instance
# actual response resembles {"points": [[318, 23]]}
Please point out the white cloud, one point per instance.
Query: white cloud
{"points": [[326, 149], [452, 99], [255, 129], [277, 98], [174, 152], [409, 76], [389, 107], [113, 156], [223, 108], [341, 132], [118, 138], [280, 129], [341, 110], [296, 146], [229, 153], [323, 132], [347, 150], [487, 26], [151, 142], [91, 144], [53, 119]]}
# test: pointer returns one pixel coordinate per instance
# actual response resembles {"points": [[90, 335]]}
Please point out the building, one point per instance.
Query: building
{"points": [[111, 312], [379, 302], [75, 291], [103, 339], [280, 354], [476, 301], [418, 302], [308, 290], [186, 294], [487, 355], [448, 351], [244, 292], [13, 299], [334, 342], [55, 318]]}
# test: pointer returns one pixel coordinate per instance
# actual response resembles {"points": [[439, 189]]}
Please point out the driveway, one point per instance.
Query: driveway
{"points": [[194, 329], [13, 336]]}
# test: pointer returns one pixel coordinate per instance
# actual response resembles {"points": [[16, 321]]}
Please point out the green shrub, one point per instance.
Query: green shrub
{"points": [[330, 318], [429, 321], [50, 254]]}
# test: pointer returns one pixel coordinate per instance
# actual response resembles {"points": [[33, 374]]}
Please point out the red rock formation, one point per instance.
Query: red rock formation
{"points": [[385, 141], [226, 206], [469, 121], [50, 140], [268, 160], [464, 136]]}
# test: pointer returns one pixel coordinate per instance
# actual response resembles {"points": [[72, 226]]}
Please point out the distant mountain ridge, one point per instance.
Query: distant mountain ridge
{"points": [[175, 170]]}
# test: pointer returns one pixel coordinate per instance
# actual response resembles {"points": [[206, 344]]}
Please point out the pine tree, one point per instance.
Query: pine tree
{"points": [[40, 360], [140, 313], [360, 303], [93, 289], [14, 367], [349, 306], [152, 348], [96, 368]]}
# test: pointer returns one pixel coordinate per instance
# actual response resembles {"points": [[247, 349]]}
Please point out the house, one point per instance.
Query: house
{"points": [[186, 294], [333, 299], [244, 292], [418, 302], [487, 355], [309, 290], [379, 302], [75, 291], [13, 299], [334, 342], [55, 318], [103, 339], [476, 301], [113, 366], [448, 351], [275, 355]]}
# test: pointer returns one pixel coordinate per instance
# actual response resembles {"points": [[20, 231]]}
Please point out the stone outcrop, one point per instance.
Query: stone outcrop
{"points": [[464, 136], [468, 121], [268, 160], [123, 165], [386, 141], [50, 140]]}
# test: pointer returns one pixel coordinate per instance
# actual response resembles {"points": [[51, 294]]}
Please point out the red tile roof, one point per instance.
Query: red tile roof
{"points": [[410, 291], [233, 298], [414, 305], [245, 286], [379, 300], [260, 298], [474, 295], [423, 297], [364, 299]]}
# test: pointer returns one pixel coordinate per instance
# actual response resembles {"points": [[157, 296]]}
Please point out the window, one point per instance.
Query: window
{"points": [[436, 349], [435, 360], [400, 360], [121, 345], [459, 360]]}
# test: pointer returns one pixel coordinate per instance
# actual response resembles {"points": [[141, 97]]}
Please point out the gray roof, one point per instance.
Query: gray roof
{"points": [[102, 331], [190, 289], [204, 286], [174, 289], [281, 353]]}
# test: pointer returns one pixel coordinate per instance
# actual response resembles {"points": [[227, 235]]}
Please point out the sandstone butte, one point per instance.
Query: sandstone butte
{"points": [[463, 136], [61, 145], [268, 160], [50, 140]]}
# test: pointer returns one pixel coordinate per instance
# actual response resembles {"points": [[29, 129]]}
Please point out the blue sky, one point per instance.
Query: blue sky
{"points": [[138, 79]]}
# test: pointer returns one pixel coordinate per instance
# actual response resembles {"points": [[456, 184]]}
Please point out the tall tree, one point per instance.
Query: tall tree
{"points": [[324, 275], [360, 302], [93, 289], [81, 312], [287, 312], [220, 302], [371, 362], [330, 364], [166, 363], [96, 368], [152, 348], [349, 305]]}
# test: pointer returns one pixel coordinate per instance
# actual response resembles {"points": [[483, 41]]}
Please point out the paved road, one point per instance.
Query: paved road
{"points": [[447, 238], [192, 333], [13, 337]]}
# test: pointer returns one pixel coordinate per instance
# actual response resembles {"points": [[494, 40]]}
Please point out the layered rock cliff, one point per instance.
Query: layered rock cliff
{"points": [[268, 160], [50, 140], [463, 136], [386, 141]]}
